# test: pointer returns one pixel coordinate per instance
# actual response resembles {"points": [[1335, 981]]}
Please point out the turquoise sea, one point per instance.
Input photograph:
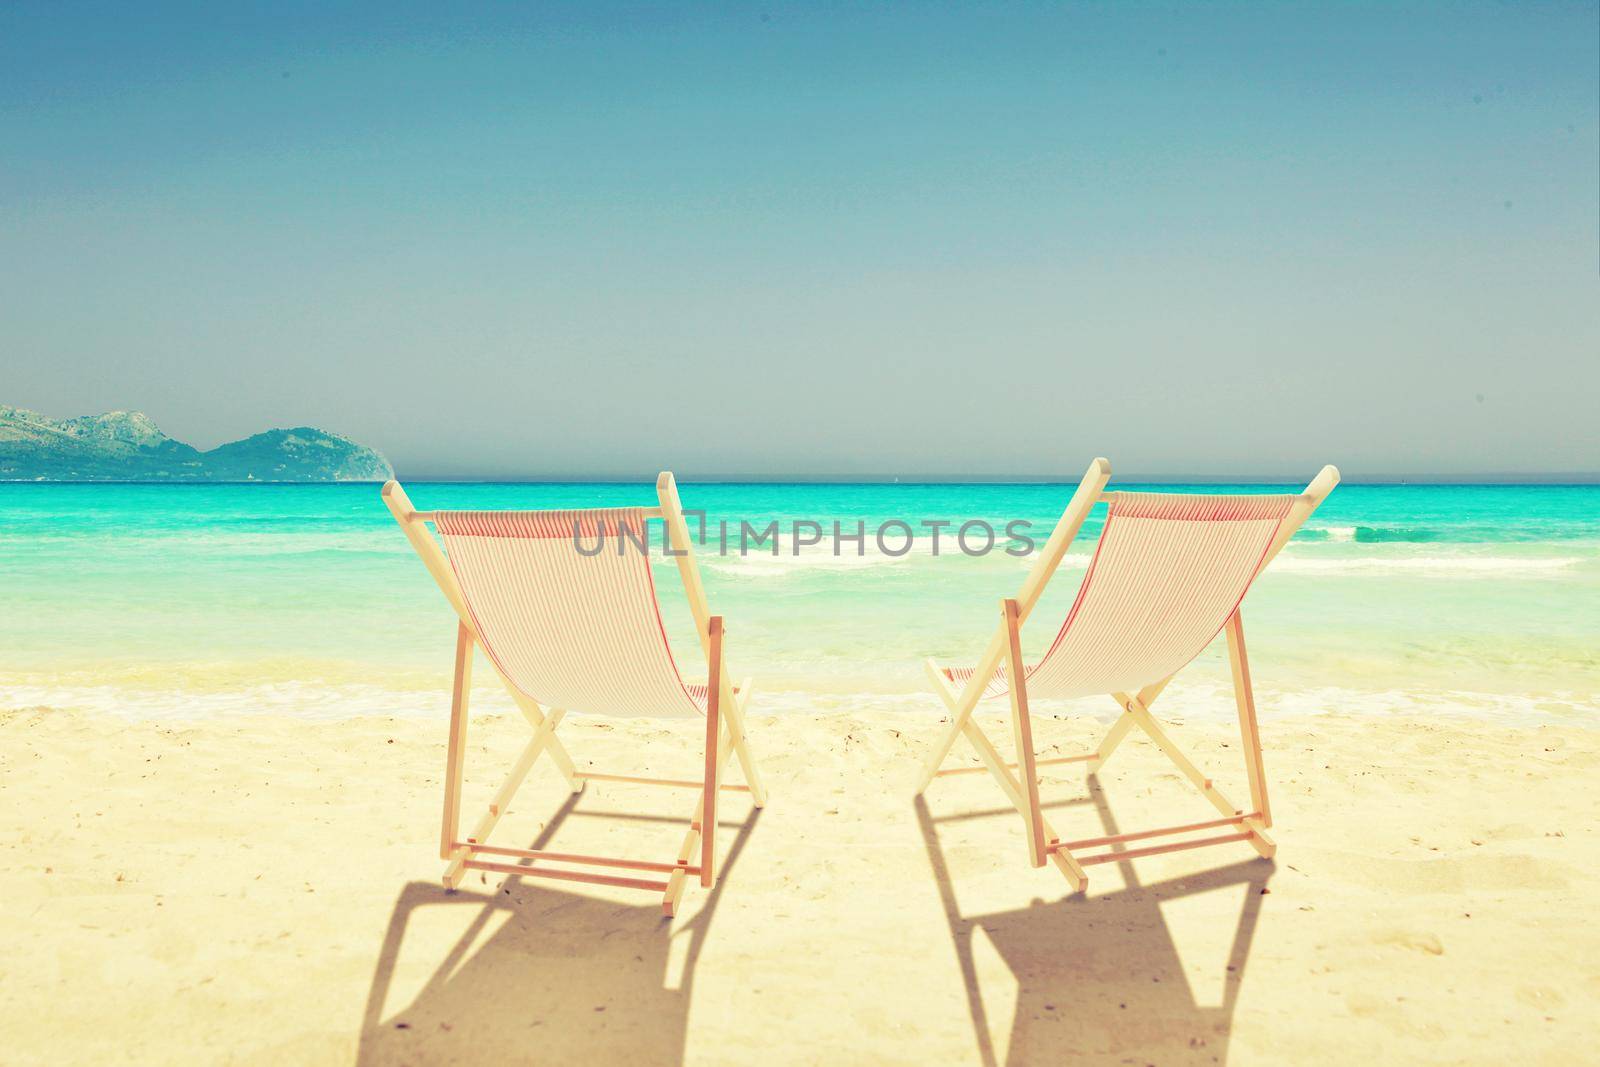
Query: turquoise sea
{"points": [[201, 600]]}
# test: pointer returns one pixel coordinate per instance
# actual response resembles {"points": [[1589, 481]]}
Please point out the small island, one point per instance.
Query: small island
{"points": [[127, 446]]}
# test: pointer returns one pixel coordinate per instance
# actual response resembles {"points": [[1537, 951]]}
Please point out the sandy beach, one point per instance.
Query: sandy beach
{"points": [[831, 378], [265, 890]]}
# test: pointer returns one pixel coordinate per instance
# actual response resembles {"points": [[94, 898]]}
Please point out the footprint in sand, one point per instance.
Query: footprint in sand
{"points": [[1420, 942]]}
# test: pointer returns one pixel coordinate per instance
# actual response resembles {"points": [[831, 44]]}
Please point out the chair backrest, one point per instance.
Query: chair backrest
{"points": [[1168, 572], [568, 628]]}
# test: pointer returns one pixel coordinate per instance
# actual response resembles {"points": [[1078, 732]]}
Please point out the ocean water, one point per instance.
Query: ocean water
{"points": [[199, 600]]}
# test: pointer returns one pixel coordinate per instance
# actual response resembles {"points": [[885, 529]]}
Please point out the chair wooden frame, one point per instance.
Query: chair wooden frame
{"points": [[1022, 788], [724, 736]]}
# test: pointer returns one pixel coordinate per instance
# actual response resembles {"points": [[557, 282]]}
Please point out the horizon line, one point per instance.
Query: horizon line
{"points": [[1477, 477], [1178, 478], [1484, 478]]}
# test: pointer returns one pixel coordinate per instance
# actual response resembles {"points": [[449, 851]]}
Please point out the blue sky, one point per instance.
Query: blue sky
{"points": [[999, 239]]}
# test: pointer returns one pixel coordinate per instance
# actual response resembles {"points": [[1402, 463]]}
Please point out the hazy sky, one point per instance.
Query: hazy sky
{"points": [[1247, 238]]}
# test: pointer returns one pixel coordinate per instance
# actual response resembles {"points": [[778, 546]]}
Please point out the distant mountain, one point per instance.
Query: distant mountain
{"points": [[125, 446]]}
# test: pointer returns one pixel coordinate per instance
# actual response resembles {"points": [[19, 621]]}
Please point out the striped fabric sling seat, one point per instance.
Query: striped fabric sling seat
{"points": [[1168, 575], [568, 629], [563, 604]]}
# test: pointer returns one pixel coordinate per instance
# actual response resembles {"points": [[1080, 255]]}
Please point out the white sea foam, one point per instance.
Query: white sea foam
{"points": [[313, 701], [765, 564], [1462, 566], [1199, 701], [1202, 701]]}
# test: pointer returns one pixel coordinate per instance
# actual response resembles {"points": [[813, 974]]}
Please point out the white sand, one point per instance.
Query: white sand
{"points": [[265, 891]]}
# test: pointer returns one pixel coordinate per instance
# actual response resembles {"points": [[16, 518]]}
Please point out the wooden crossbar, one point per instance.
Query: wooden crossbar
{"points": [[1162, 831], [578, 857], [1156, 850], [648, 884], [675, 783]]}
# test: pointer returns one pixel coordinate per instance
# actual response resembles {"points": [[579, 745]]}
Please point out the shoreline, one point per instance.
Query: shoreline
{"points": [[1208, 701]]}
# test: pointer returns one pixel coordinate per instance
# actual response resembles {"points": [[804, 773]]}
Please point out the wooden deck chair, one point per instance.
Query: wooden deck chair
{"points": [[571, 628], [1168, 574]]}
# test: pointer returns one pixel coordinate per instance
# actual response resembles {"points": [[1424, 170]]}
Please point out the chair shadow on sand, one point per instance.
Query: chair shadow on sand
{"points": [[564, 978], [1100, 979]]}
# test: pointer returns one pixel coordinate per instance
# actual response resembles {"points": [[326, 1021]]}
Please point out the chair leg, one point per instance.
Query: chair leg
{"points": [[1244, 697], [1108, 744], [722, 720], [456, 750], [536, 718], [541, 739], [1064, 862], [1012, 789], [1119, 729], [708, 821], [941, 750], [1022, 736], [1252, 825], [1251, 821], [691, 837], [960, 712], [960, 705], [733, 712]]}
